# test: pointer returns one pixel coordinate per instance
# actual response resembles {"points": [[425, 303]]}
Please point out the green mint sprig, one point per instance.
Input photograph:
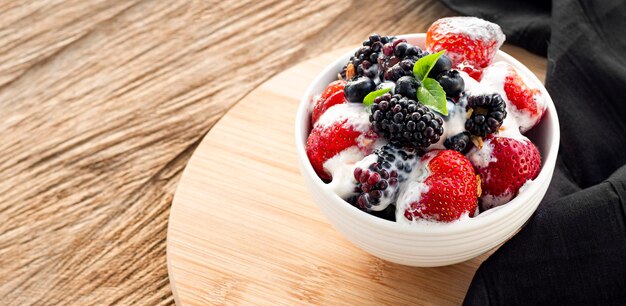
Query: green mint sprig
{"points": [[430, 92], [369, 99]]}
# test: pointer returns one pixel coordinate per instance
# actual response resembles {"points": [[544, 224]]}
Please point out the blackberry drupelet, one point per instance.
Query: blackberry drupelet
{"points": [[405, 121], [365, 60], [378, 182], [397, 60], [460, 142], [487, 114]]}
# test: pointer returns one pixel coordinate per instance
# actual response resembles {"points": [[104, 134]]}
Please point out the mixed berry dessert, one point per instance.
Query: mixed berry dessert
{"points": [[434, 135]]}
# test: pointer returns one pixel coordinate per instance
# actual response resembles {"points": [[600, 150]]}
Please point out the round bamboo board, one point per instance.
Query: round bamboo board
{"points": [[244, 230]]}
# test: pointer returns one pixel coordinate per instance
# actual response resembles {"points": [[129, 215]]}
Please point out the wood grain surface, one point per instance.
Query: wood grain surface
{"points": [[103, 102]]}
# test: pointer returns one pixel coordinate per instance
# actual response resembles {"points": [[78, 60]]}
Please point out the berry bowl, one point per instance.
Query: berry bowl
{"points": [[437, 244]]}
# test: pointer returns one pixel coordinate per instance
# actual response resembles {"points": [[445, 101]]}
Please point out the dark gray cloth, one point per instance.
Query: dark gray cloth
{"points": [[525, 23], [573, 249]]}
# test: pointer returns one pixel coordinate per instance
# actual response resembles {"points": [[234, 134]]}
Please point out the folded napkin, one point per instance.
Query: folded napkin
{"points": [[573, 249]]}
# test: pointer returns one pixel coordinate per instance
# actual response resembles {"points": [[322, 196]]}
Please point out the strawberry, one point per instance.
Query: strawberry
{"points": [[523, 103], [505, 165], [447, 192], [528, 103], [332, 95], [342, 127], [470, 42]]}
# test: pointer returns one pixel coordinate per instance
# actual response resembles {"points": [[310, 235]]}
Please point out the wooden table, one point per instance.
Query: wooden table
{"points": [[103, 102]]}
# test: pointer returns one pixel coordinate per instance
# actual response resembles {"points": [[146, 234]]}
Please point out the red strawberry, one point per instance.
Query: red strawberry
{"points": [[332, 95], [523, 103], [449, 191], [504, 164], [470, 42], [528, 102], [342, 127]]}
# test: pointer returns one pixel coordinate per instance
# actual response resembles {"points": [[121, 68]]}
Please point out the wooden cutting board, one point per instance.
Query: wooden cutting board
{"points": [[244, 230]]}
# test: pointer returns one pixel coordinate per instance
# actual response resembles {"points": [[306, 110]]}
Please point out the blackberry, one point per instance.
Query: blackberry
{"points": [[405, 121], [460, 142], [379, 175], [365, 59], [487, 113], [397, 60], [452, 83]]}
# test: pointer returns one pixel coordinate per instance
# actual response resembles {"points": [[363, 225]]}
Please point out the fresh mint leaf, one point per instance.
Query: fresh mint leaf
{"points": [[431, 94], [369, 99], [424, 65]]}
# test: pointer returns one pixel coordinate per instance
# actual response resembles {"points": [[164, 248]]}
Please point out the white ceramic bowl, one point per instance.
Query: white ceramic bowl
{"points": [[433, 245]]}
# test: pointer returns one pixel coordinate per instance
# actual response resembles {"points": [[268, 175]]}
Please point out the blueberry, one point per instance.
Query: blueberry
{"points": [[443, 64], [452, 83], [407, 86], [356, 90]]}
